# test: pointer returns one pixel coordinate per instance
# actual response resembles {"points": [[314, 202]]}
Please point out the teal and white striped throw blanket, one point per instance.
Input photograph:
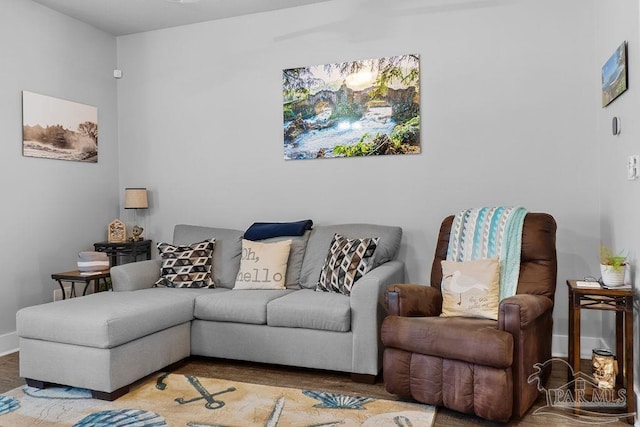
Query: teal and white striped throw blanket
{"points": [[488, 232]]}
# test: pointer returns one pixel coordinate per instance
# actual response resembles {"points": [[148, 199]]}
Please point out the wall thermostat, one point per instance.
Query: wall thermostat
{"points": [[632, 167]]}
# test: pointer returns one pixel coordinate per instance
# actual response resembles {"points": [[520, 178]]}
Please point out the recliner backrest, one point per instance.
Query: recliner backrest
{"points": [[538, 263]]}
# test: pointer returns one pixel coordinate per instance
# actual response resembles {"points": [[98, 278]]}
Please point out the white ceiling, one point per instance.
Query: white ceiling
{"points": [[121, 17]]}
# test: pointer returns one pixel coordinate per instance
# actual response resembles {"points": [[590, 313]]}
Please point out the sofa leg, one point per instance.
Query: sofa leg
{"points": [[363, 378], [103, 395], [176, 365], [36, 383]]}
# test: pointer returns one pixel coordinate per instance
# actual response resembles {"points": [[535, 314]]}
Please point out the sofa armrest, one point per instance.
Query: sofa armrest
{"points": [[413, 300], [135, 275], [367, 313]]}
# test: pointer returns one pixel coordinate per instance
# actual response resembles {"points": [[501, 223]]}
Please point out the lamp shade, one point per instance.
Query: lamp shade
{"points": [[135, 198]]}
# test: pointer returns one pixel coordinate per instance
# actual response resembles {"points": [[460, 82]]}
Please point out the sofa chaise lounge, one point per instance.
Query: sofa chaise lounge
{"points": [[106, 341]]}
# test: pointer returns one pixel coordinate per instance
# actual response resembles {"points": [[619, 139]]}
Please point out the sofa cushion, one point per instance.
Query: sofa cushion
{"points": [[311, 310], [347, 261], [240, 306], [186, 266], [108, 319], [296, 255], [320, 241], [226, 256], [263, 265]]}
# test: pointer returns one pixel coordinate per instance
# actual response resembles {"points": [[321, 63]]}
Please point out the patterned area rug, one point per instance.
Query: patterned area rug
{"points": [[179, 400]]}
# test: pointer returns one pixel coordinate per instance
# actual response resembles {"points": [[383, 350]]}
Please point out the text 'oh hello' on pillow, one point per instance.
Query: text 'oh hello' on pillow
{"points": [[263, 265]]}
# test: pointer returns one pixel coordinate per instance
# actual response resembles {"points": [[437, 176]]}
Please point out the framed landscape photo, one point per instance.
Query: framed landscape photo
{"points": [[360, 108], [614, 75], [55, 128]]}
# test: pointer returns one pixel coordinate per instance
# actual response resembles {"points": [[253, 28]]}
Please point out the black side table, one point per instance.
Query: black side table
{"points": [[132, 249]]}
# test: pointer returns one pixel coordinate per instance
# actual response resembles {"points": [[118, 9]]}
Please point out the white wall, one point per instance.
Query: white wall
{"points": [[619, 198], [51, 209], [508, 117]]}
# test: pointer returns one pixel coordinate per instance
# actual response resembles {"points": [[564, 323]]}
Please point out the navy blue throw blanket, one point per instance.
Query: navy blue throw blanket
{"points": [[265, 230]]}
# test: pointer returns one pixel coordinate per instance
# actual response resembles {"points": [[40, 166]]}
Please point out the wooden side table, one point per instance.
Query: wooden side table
{"points": [[87, 278], [610, 299], [133, 249]]}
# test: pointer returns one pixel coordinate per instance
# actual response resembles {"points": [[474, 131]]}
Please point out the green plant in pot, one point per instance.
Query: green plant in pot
{"points": [[612, 267]]}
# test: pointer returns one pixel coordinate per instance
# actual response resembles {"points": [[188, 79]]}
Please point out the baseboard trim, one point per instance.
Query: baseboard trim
{"points": [[8, 343], [560, 346]]}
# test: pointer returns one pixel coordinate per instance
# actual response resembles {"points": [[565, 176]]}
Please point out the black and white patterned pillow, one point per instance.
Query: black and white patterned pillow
{"points": [[347, 261], [186, 266]]}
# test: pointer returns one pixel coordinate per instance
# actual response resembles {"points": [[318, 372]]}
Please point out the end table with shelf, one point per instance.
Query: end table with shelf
{"points": [[132, 249], [619, 300]]}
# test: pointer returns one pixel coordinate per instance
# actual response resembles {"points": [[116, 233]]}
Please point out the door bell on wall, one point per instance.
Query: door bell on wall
{"points": [[117, 74]]}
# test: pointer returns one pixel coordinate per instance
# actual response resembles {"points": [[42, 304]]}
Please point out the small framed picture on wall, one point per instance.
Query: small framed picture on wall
{"points": [[614, 75]]}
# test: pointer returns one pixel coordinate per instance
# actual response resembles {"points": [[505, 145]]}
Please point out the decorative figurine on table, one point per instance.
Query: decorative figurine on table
{"points": [[136, 234], [117, 232]]}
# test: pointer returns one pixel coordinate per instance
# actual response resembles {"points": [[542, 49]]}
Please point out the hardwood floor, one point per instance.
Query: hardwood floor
{"points": [[9, 378], [327, 381]]}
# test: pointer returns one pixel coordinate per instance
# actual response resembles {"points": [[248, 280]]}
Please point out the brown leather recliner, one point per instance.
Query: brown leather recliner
{"points": [[474, 365]]}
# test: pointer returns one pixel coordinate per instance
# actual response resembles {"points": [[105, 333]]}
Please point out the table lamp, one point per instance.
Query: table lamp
{"points": [[136, 198]]}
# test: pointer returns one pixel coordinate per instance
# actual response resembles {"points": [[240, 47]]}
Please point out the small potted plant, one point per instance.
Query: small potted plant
{"points": [[612, 267]]}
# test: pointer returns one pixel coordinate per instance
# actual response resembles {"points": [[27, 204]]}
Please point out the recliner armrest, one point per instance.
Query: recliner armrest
{"points": [[409, 300], [529, 319], [526, 307]]}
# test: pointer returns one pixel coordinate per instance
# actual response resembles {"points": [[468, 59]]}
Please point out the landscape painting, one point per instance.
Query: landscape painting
{"points": [[55, 128], [361, 108], [614, 75]]}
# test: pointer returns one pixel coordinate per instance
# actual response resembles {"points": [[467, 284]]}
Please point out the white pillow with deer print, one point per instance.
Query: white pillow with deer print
{"points": [[471, 288]]}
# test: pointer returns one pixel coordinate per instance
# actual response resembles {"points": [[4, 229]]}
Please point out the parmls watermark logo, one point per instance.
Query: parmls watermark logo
{"points": [[580, 399]]}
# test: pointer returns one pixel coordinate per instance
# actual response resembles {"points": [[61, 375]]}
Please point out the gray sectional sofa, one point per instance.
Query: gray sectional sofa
{"points": [[106, 341]]}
